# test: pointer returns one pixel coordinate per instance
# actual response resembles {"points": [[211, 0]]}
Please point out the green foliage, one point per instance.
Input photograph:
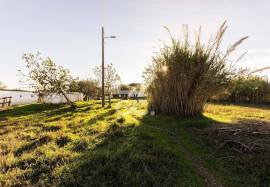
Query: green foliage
{"points": [[136, 86], [89, 88], [125, 87], [183, 76], [251, 89]]}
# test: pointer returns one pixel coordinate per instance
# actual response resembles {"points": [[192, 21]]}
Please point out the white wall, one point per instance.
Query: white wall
{"points": [[54, 98], [19, 97], [22, 97]]}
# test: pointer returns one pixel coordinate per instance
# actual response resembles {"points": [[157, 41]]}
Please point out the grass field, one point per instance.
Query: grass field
{"points": [[51, 145]]}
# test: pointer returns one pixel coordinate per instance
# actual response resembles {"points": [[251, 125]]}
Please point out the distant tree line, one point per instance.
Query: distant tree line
{"points": [[245, 88], [131, 87], [88, 87]]}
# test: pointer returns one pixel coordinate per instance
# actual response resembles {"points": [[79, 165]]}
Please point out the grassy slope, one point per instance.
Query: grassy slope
{"points": [[50, 144]]}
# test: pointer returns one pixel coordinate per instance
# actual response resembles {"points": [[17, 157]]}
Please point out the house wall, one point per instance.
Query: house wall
{"points": [[139, 94], [131, 94], [23, 97], [20, 97], [53, 98]]}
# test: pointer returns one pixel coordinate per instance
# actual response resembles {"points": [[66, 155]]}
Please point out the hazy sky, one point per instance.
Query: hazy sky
{"points": [[69, 31]]}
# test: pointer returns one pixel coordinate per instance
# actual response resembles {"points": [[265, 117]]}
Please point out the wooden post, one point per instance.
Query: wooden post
{"points": [[9, 101]]}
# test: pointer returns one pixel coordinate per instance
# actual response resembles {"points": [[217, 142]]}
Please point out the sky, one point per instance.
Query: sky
{"points": [[69, 31]]}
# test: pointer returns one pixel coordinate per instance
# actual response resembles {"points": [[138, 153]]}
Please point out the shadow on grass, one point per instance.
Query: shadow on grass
{"points": [[50, 109], [126, 155], [101, 116], [98, 117], [138, 155], [130, 155], [33, 145], [141, 156], [25, 110], [67, 111]]}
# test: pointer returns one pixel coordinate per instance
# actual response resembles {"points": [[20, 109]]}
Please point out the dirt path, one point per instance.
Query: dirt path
{"points": [[209, 178]]}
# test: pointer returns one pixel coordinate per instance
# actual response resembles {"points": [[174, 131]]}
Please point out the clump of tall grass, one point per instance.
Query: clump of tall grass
{"points": [[184, 75]]}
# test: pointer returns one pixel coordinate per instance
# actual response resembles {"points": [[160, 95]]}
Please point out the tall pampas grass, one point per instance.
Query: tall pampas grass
{"points": [[184, 75]]}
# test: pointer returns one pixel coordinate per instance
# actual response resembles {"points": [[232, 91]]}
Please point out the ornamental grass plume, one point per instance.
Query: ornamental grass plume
{"points": [[184, 75]]}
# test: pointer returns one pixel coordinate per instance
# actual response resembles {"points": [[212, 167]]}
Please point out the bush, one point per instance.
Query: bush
{"points": [[88, 87], [251, 89], [183, 75]]}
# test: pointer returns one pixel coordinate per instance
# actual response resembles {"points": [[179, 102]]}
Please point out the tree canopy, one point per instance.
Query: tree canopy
{"points": [[88, 87], [45, 77]]}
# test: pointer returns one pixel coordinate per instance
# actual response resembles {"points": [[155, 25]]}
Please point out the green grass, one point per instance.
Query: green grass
{"points": [[52, 145], [227, 112]]}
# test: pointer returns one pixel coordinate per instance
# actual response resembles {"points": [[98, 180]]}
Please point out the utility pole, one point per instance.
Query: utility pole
{"points": [[102, 66]]}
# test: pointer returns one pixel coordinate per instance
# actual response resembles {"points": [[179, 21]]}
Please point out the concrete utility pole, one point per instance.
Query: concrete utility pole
{"points": [[103, 66]]}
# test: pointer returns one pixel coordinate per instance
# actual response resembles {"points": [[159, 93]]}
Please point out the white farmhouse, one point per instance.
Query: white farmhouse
{"points": [[125, 94]]}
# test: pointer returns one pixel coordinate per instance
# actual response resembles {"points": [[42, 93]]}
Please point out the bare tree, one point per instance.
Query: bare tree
{"points": [[111, 80], [45, 77]]}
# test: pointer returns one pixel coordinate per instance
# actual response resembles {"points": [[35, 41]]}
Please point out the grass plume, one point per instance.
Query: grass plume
{"points": [[184, 75]]}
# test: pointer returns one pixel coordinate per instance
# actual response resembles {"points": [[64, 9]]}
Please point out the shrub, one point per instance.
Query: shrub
{"points": [[251, 89], [183, 75]]}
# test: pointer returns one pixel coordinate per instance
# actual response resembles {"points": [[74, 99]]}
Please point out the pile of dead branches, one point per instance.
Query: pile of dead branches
{"points": [[251, 137]]}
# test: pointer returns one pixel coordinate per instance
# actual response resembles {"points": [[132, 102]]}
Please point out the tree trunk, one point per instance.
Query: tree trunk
{"points": [[68, 100], [41, 98]]}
